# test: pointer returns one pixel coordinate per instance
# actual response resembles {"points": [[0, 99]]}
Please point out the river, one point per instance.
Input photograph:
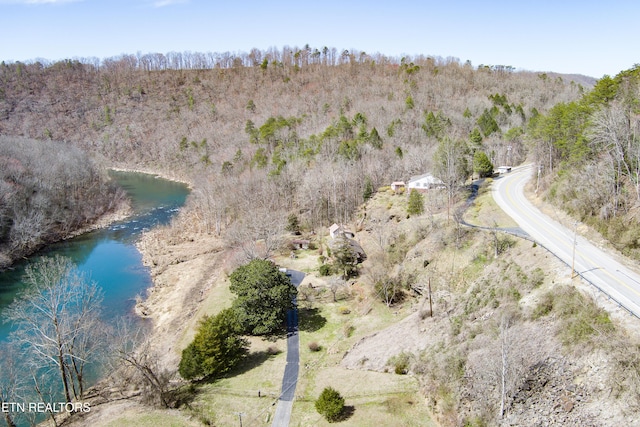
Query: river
{"points": [[109, 256]]}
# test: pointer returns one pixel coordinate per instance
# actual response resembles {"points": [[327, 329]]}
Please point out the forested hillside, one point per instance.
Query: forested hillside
{"points": [[299, 138], [589, 150], [302, 131], [47, 191]]}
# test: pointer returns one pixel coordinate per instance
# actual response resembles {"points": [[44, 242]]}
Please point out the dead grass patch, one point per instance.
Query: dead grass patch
{"points": [[485, 212]]}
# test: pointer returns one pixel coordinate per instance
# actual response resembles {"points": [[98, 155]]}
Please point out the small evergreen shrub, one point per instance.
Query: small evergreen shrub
{"points": [[330, 404], [324, 270]]}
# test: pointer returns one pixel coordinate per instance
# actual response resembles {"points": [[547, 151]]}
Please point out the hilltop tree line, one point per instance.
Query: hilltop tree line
{"points": [[288, 56], [47, 191], [299, 131]]}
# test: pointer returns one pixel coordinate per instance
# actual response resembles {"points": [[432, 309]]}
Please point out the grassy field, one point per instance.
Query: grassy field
{"points": [[372, 398], [331, 328]]}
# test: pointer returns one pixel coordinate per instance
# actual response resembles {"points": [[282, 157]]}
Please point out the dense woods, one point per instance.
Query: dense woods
{"points": [[47, 191], [589, 150], [296, 130]]}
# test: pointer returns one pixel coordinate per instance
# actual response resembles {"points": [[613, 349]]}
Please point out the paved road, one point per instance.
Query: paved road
{"points": [[290, 377], [594, 264]]}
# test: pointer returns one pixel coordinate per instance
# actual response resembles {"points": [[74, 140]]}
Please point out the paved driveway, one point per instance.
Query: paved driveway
{"points": [[290, 378]]}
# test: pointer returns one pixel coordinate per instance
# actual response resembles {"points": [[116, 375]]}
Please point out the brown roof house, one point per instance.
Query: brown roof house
{"points": [[398, 186], [346, 254], [300, 243]]}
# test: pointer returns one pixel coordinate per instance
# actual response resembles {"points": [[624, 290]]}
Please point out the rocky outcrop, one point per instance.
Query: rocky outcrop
{"points": [[550, 396]]}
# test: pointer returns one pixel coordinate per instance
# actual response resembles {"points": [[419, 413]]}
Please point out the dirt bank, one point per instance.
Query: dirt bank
{"points": [[185, 267], [188, 276]]}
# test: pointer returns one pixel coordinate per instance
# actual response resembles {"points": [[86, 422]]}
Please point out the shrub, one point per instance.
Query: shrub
{"points": [[330, 404], [416, 203], [324, 270], [536, 278], [314, 346], [544, 307], [400, 363], [580, 316], [348, 330], [344, 310]]}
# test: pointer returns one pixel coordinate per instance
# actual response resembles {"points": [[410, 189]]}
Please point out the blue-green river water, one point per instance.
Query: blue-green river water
{"points": [[109, 256]]}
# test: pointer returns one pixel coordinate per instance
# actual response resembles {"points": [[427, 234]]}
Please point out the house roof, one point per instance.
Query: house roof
{"points": [[336, 229], [352, 244], [425, 178]]}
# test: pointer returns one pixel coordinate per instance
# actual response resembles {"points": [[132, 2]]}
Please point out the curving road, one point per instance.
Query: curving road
{"points": [[592, 263]]}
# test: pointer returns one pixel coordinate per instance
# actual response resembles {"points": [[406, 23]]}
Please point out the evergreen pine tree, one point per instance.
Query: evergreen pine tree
{"points": [[416, 203]]}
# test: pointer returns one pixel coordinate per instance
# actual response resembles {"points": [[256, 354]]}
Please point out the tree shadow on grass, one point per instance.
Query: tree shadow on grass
{"points": [[347, 412], [310, 319], [251, 361], [183, 395]]}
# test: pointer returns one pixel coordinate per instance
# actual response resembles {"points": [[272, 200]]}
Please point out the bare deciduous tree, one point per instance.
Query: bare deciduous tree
{"points": [[257, 235], [47, 191], [210, 203], [613, 134], [499, 364], [56, 319], [335, 284], [138, 363], [11, 381], [451, 166]]}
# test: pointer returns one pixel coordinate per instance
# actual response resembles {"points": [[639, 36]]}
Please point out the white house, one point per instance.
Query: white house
{"points": [[424, 182]]}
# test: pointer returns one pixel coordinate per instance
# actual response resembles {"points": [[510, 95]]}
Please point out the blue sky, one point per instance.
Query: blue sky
{"points": [[568, 36]]}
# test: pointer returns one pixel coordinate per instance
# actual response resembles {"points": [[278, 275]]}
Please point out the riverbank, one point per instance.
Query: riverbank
{"points": [[175, 177], [186, 268], [189, 281], [122, 211]]}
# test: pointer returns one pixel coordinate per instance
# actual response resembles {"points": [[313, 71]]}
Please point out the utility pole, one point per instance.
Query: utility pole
{"points": [[575, 243], [538, 181], [240, 414], [430, 304]]}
